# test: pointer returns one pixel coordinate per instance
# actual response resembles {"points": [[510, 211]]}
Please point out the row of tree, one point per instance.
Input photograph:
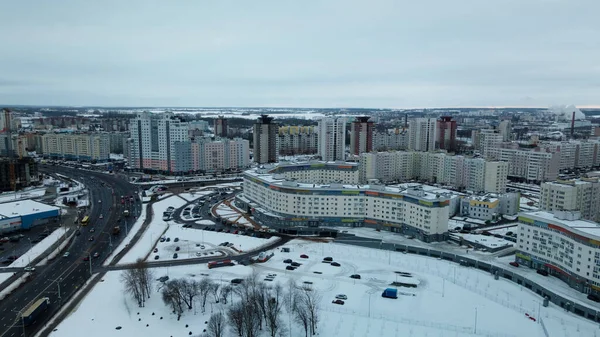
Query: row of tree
{"points": [[138, 282]]}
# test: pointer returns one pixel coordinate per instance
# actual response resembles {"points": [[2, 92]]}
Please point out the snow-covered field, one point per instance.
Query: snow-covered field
{"points": [[154, 231], [449, 300], [38, 248], [4, 276], [191, 196]]}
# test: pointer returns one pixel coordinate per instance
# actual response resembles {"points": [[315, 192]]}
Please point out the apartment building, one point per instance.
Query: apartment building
{"points": [[562, 244], [153, 142], [489, 143], [422, 134], [292, 140], [265, 140], [473, 174], [574, 154], [361, 135], [332, 139], [219, 155], [446, 133], [535, 165], [284, 204], [319, 172], [220, 126], [388, 140], [581, 195], [80, 147], [490, 206]]}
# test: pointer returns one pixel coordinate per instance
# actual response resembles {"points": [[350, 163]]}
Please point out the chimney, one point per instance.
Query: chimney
{"points": [[573, 124]]}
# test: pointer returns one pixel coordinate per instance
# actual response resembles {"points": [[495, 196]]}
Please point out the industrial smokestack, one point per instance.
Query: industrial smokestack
{"points": [[573, 125]]}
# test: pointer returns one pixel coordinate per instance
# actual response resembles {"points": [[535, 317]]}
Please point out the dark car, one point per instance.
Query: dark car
{"points": [[175, 255], [328, 259], [237, 280], [156, 257], [542, 272], [290, 268], [155, 250], [304, 256], [287, 261], [355, 276], [514, 263], [91, 238], [335, 264], [176, 240], [177, 248], [295, 264], [340, 302], [168, 239], [163, 239], [593, 297]]}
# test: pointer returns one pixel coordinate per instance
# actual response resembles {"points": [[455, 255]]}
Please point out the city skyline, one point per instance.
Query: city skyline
{"points": [[382, 54]]}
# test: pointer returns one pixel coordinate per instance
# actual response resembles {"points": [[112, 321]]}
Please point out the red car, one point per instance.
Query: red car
{"points": [[304, 256], [514, 264], [87, 258]]}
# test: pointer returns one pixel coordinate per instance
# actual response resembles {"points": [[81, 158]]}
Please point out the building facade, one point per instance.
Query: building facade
{"points": [[446, 133], [422, 134], [293, 140], [265, 140], [563, 245], [79, 147], [534, 166], [390, 140], [332, 139], [582, 195], [219, 155], [490, 206], [284, 205], [221, 127], [361, 135]]}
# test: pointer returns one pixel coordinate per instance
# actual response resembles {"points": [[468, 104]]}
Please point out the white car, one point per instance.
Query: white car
{"points": [[99, 201], [29, 269], [341, 297], [66, 254], [101, 216], [198, 253]]}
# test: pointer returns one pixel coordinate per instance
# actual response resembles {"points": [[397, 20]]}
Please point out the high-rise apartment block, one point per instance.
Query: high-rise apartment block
{"points": [[361, 135], [332, 139], [535, 165], [422, 134], [395, 139], [265, 140], [293, 140], [489, 142], [473, 174], [221, 127], [80, 147], [219, 155], [446, 133]]}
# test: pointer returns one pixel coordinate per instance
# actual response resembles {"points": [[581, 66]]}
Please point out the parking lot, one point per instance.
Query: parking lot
{"points": [[24, 241]]}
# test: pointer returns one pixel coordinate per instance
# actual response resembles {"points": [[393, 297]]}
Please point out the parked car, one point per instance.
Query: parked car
{"points": [[328, 259], [163, 239], [287, 261], [66, 254], [177, 248], [155, 250], [542, 272], [304, 256], [355, 276], [593, 297], [176, 240], [86, 258], [29, 269], [91, 238], [295, 264], [341, 297], [514, 263], [340, 302], [175, 255], [101, 216], [237, 280], [290, 268], [168, 239], [156, 257], [96, 255], [335, 264], [198, 254]]}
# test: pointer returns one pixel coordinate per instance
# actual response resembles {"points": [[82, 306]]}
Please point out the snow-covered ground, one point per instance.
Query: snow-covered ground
{"points": [[4, 277], [39, 248], [488, 241], [27, 194], [191, 196], [449, 300], [154, 231], [190, 240]]}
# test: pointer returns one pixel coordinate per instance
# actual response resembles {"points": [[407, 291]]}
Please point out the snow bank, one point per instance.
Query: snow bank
{"points": [[6, 291], [39, 248]]}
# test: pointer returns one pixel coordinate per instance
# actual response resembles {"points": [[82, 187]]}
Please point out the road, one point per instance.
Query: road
{"points": [[62, 277]]}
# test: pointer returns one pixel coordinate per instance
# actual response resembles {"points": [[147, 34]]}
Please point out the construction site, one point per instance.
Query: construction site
{"points": [[17, 169]]}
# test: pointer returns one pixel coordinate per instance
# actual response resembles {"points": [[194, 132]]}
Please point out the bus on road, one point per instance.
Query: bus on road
{"points": [[85, 220]]}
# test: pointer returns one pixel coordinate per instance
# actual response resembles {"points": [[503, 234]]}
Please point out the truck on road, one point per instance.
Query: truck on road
{"points": [[31, 313]]}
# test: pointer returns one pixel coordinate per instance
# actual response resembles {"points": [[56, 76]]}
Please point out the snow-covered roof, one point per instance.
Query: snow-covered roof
{"points": [[24, 207], [584, 226]]}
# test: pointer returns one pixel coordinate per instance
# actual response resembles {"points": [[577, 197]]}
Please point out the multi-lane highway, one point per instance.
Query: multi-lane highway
{"points": [[62, 277]]}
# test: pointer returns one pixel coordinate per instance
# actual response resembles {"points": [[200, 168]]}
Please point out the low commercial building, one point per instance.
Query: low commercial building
{"points": [[25, 214], [290, 205], [490, 206], [563, 245]]}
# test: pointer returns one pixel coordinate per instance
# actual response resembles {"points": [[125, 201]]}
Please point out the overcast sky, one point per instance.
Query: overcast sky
{"points": [[292, 53]]}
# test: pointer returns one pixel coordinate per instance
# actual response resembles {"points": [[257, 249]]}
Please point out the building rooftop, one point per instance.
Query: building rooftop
{"points": [[585, 226], [24, 207]]}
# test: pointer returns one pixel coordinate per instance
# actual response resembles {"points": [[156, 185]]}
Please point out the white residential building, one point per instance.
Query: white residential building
{"points": [[421, 134], [581, 195], [563, 245], [489, 143], [284, 204], [80, 147], [332, 139], [535, 165]]}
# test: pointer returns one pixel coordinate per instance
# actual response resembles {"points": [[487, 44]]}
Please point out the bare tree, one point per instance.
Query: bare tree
{"points": [[172, 296], [204, 289], [224, 292], [144, 276], [132, 286], [236, 316], [189, 290], [214, 290], [216, 325], [311, 299], [301, 314], [274, 306], [251, 318]]}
